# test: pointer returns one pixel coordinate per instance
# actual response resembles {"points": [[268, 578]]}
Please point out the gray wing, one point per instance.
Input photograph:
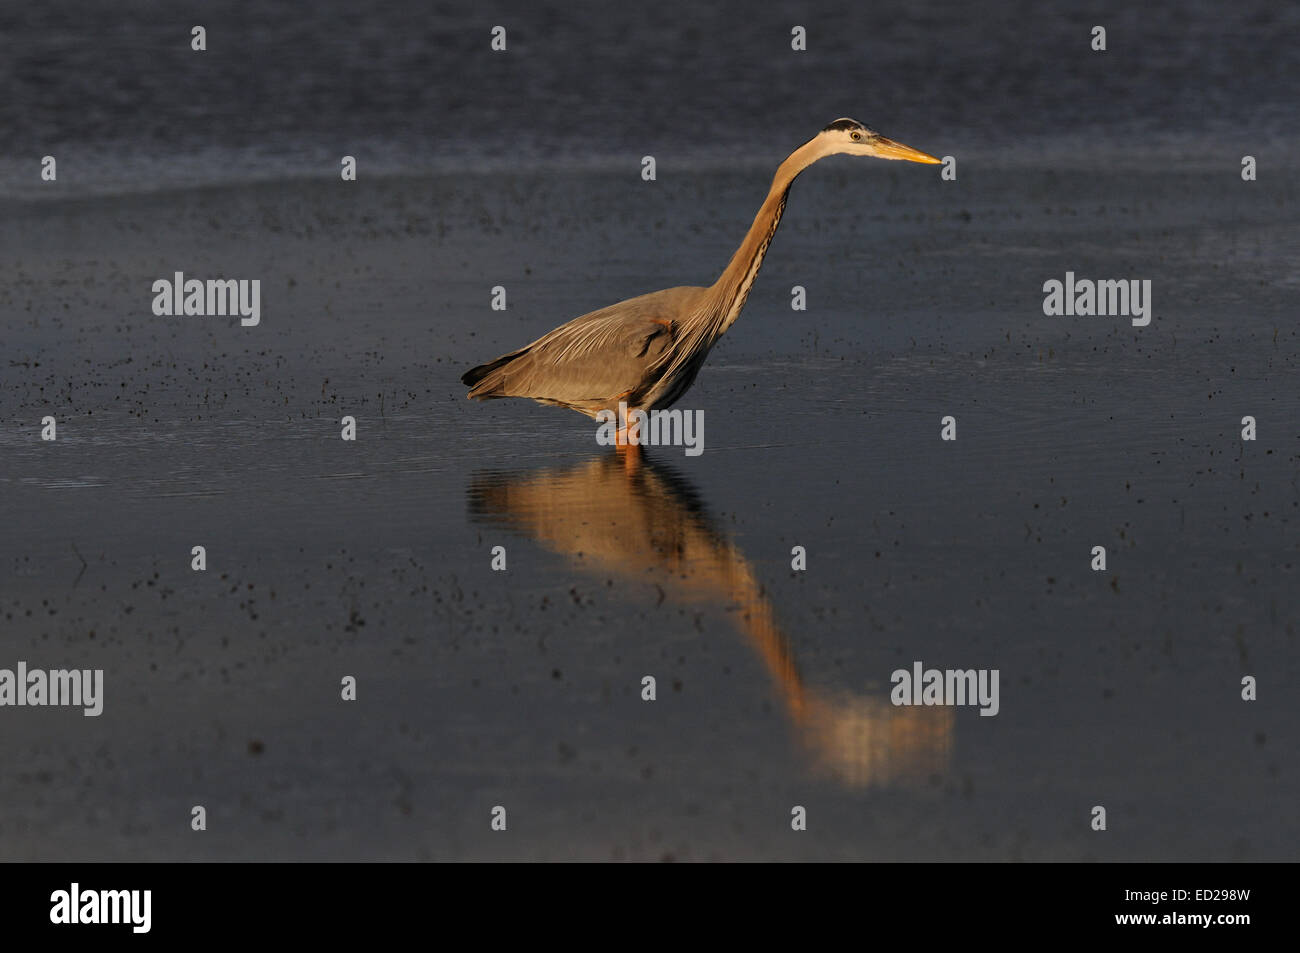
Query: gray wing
{"points": [[594, 359]]}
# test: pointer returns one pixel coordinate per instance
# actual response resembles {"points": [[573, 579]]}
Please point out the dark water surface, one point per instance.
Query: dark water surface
{"points": [[522, 688], [117, 94]]}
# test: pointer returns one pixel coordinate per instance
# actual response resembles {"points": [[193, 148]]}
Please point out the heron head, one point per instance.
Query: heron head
{"points": [[850, 137]]}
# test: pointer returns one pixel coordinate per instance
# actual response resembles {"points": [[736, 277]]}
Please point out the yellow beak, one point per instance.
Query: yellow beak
{"points": [[889, 149]]}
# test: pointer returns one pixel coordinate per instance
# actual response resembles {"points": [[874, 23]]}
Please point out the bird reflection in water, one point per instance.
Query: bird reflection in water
{"points": [[641, 521]]}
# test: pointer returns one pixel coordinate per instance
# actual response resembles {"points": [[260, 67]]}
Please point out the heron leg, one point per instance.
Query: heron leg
{"points": [[629, 446], [623, 444], [630, 454], [630, 420]]}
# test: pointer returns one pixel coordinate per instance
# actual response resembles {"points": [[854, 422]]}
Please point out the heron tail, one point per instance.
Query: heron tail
{"points": [[487, 380]]}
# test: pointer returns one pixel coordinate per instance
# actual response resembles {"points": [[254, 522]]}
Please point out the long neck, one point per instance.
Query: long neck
{"points": [[732, 287]]}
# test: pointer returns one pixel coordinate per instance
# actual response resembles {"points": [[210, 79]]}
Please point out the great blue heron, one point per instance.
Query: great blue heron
{"points": [[644, 352]]}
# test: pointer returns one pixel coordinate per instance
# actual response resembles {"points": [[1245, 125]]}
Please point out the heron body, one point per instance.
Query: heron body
{"points": [[645, 352]]}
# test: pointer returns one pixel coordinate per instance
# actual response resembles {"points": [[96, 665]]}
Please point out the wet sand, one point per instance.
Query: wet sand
{"points": [[478, 688]]}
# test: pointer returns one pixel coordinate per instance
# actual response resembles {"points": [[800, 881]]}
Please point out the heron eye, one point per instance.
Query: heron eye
{"points": [[855, 136]]}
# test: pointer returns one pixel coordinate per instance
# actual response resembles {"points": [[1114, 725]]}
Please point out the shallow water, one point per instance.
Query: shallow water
{"points": [[522, 687], [115, 92]]}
